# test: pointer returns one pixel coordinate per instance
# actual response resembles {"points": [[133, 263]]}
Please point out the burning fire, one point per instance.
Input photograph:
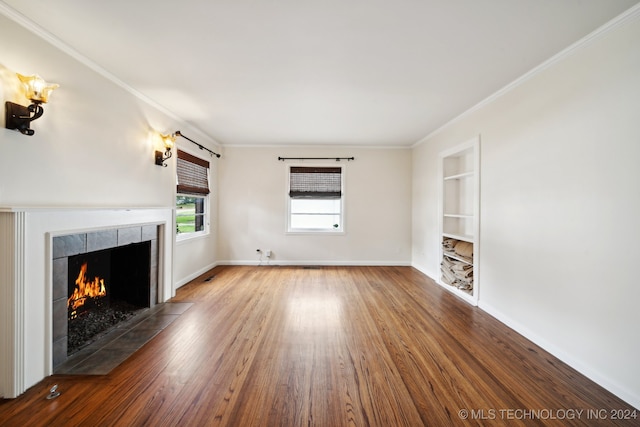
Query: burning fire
{"points": [[85, 289]]}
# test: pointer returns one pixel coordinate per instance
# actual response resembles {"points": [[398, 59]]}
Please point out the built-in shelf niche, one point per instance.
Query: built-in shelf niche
{"points": [[459, 219]]}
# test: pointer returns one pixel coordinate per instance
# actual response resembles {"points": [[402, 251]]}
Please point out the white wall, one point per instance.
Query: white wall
{"points": [[560, 202], [253, 206], [196, 256], [559, 184], [93, 147]]}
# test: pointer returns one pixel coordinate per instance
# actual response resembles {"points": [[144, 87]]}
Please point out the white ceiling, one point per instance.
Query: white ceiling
{"points": [[351, 72]]}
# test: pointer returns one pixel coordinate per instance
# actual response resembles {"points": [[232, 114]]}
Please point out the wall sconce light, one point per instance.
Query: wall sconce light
{"points": [[37, 91], [168, 141]]}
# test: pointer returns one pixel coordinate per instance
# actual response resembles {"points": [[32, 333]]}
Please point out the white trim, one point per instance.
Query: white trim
{"points": [[12, 304], [584, 42], [6, 305], [340, 231], [27, 235], [328, 263], [424, 270], [24, 21], [623, 393], [185, 237], [39, 31], [190, 237], [472, 145], [39, 209], [629, 396], [315, 232], [316, 145], [194, 235], [195, 274]]}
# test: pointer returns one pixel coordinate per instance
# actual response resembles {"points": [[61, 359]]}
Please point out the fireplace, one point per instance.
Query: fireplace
{"points": [[105, 288], [100, 279], [35, 243]]}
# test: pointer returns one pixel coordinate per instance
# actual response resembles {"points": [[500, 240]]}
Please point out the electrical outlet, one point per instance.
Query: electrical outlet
{"points": [[268, 253]]}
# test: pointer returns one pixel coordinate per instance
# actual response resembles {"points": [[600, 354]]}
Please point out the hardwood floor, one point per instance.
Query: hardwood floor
{"points": [[329, 346]]}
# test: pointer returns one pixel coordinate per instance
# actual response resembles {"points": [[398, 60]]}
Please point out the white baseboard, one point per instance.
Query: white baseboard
{"points": [[424, 270], [195, 274], [623, 393], [183, 281], [594, 375], [279, 262], [629, 396]]}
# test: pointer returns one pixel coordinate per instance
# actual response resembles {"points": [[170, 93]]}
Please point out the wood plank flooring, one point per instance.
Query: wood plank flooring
{"points": [[329, 346]]}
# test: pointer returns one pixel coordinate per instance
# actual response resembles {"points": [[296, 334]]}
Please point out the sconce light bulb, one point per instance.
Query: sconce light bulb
{"points": [[37, 90], [168, 140]]}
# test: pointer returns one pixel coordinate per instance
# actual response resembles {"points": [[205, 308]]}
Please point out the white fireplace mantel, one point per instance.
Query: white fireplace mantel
{"points": [[26, 236]]}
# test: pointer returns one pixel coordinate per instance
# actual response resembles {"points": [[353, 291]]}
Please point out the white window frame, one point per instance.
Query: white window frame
{"points": [[341, 230], [206, 218]]}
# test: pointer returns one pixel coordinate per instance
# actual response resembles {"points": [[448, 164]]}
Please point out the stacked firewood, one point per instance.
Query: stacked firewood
{"points": [[457, 266]]}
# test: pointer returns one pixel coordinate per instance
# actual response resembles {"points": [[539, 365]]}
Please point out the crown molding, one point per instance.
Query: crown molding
{"points": [[25, 22], [39, 31], [599, 33], [320, 146]]}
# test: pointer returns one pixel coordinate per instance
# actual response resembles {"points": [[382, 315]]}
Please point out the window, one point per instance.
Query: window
{"points": [[190, 214], [193, 196], [315, 199]]}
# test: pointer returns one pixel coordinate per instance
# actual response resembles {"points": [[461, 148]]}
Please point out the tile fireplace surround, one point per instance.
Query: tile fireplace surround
{"points": [[82, 243], [26, 279]]}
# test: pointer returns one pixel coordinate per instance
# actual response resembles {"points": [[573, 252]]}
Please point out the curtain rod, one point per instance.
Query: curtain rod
{"points": [[202, 147], [337, 159]]}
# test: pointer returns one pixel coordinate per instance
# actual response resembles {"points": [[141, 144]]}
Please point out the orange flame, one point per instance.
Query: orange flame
{"points": [[85, 289]]}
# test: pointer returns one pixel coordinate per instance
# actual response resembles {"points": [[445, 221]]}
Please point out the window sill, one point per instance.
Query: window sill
{"points": [[183, 239], [316, 232]]}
